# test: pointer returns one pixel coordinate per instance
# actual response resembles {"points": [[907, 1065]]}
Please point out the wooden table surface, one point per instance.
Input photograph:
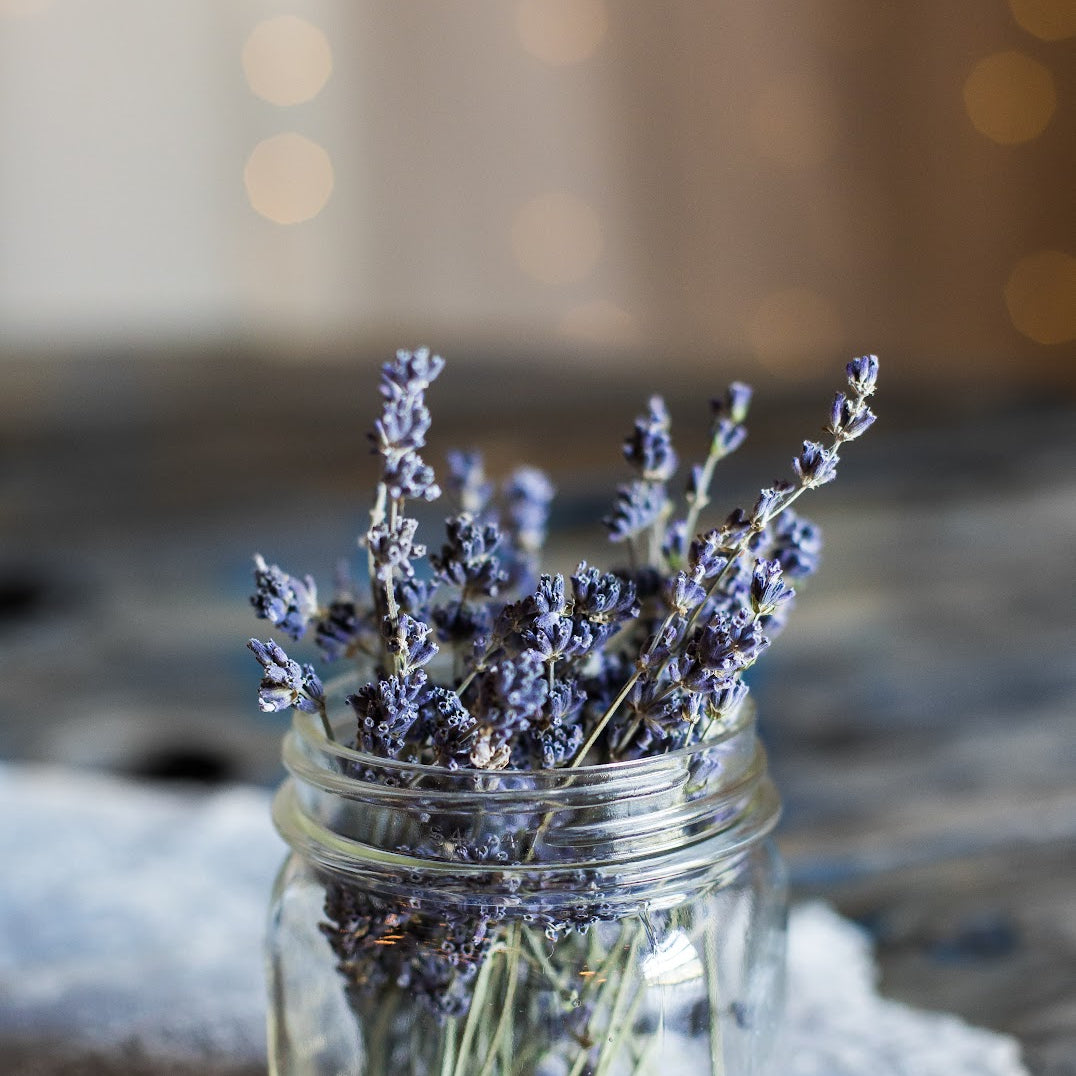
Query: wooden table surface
{"points": [[918, 710]]}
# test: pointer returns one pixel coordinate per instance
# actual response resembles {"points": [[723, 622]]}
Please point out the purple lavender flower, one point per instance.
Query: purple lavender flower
{"points": [[285, 682], [685, 593], [467, 480], [649, 449], [796, 544], [603, 597], [849, 419], [468, 559], [463, 623], [393, 547], [511, 693], [638, 506], [338, 629], [728, 644], [409, 638], [768, 591], [413, 595], [708, 555], [724, 694], [769, 503], [410, 373], [729, 413], [528, 495], [409, 478], [405, 419], [453, 729], [863, 374], [815, 466], [286, 602], [386, 710]]}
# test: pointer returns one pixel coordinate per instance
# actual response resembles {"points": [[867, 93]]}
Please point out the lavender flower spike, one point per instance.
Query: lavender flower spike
{"points": [[285, 682], [286, 602], [649, 449], [529, 494]]}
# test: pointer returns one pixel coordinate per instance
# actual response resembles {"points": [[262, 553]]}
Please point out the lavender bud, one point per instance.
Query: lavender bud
{"points": [[814, 465], [796, 544], [407, 477], [283, 681], [467, 480], [863, 374], [685, 594], [649, 449], [286, 602], [603, 597], [637, 507], [411, 372], [768, 592], [386, 710], [529, 494], [408, 637]]}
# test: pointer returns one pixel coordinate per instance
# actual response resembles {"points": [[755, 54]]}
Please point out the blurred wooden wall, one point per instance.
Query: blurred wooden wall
{"points": [[768, 182]]}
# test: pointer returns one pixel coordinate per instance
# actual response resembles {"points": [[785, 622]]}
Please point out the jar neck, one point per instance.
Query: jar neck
{"points": [[630, 828]]}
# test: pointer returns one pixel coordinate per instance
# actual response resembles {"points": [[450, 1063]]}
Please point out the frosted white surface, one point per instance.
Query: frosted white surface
{"points": [[133, 916]]}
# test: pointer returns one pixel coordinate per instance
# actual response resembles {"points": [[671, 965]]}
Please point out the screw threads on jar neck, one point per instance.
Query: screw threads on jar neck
{"points": [[630, 828]]}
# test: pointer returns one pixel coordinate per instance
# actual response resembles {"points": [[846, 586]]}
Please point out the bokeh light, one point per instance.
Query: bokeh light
{"points": [[557, 238], [792, 125], [287, 60], [288, 178], [1041, 296], [1050, 20], [791, 325], [561, 32], [1010, 97]]}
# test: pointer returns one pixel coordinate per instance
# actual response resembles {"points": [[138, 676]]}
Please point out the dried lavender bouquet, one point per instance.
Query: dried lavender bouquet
{"points": [[470, 661]]}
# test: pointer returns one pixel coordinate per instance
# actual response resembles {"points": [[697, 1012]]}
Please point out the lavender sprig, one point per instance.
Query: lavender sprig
{"points": [[397, 436], [286, 602], [286, 683], [545, 668], [816, 464]]}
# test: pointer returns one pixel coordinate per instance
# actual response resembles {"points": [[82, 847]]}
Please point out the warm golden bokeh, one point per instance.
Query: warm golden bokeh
{"points": [[1051, 20], [288, 178], [561, 32], [1010, 97], [557, 238], [1041, 297], [286, 60]]}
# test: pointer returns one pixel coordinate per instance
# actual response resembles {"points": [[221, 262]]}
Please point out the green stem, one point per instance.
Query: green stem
{"points": [[475, 1013], [713, 989], [448, 1048], [507, 1002], [623, 1014], [595, 732]]}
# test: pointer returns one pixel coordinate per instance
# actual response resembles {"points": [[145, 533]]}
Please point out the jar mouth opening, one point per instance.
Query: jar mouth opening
{"points": [[307, 728]]}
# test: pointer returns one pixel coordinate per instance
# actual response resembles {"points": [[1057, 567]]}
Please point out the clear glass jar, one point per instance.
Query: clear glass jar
{"points": [[618, 920]]}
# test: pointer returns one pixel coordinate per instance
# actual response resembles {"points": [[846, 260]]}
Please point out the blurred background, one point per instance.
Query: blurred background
{"points": [[216, 220]]}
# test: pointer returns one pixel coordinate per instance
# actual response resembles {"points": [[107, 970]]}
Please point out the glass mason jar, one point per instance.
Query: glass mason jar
{"points": [[614, 920]]}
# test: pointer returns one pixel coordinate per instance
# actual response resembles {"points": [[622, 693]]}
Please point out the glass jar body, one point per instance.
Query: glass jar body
{"points": [[620, 920], [691, 988]]}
